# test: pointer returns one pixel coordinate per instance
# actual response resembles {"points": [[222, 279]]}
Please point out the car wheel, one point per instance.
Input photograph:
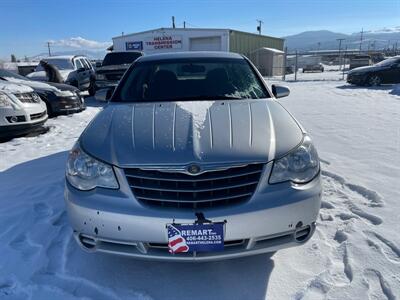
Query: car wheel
{"points": [[374, 80]]}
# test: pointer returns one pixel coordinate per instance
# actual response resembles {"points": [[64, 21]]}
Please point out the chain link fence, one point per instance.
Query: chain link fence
{"points": [[316, 65]]}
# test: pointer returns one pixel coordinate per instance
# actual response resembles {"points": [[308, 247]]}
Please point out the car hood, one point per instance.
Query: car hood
{"points": [[36, 85], [176, 133], [110, 68], [41, 75], [64, 87], [14, 88], [366, 69]]}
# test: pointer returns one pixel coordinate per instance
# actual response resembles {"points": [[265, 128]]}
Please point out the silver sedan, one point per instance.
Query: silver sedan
{"points": [[193, 159]]}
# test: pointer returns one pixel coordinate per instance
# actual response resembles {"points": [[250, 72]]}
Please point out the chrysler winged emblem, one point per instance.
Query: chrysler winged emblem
{"points": [[193, 169]]}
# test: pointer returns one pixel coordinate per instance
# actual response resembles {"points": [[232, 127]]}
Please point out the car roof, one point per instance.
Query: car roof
{"points": [[189, 54], [70, 57]]}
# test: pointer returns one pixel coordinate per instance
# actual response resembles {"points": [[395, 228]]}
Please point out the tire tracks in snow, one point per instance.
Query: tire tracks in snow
{"points": [[344, 209]]}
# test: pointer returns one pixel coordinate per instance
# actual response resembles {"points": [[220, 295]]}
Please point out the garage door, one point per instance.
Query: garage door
{"points": [[212, 43]]}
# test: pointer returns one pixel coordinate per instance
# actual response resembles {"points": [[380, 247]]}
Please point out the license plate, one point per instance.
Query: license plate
{"points": [[206, 237]]}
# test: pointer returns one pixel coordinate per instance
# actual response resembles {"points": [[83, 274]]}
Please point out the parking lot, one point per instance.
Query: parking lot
{"points": [[353, 253]]}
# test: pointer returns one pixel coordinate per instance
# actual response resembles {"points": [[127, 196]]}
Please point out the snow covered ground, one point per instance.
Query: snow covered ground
{"points": [[354, 254]]}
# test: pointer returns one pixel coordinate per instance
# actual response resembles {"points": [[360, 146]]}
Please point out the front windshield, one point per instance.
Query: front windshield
{"points": [[60, 63], [120, 58], [387, 62], [190, 79], [9, 75]]}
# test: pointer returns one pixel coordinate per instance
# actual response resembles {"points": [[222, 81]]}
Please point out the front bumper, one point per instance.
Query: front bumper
{"points": [[14, 130], [67, 105], [356, 79], [113, 221]]}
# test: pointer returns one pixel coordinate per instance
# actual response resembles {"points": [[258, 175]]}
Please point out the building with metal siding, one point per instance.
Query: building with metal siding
{"points": [[245, 42], [195, 39]]}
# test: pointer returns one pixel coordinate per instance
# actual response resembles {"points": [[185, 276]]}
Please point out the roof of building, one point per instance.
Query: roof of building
{"points": [[193, 29], [190, 54], [270, 50]]}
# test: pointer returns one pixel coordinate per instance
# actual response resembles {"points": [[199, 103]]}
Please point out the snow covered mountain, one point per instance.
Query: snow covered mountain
{"points": [[327, 40]]}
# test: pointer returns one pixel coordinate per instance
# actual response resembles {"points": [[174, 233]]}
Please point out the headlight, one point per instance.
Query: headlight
{"points": [[100, 77], [86, 173], [5, 101], [60, 93], [299, 166]]}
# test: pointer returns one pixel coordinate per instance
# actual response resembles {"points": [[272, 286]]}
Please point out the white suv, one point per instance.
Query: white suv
{"points": [[21, 110], [75, 70]]}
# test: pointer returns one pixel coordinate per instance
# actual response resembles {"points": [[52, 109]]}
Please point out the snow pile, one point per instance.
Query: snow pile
{"points": [[198, 110], [354, 254]]}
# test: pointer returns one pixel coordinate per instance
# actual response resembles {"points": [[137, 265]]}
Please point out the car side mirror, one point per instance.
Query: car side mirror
{"points": [[80, 70], [280, 91]]}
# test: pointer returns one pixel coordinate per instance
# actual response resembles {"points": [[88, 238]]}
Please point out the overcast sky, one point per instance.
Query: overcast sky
{"points": [[26, 25]]}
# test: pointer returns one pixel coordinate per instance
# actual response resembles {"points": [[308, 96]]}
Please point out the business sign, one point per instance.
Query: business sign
{"points": [[138, 46], [163, 42], [195, 237]]}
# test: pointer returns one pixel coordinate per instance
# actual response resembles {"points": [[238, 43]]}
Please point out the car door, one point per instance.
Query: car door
{"points": [[91, 68], [80, 70], [85, 74]]}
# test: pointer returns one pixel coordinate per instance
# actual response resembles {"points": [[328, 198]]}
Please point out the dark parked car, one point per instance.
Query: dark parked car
{"points": [[313, 68], [113, 67], [387, 71], [59, 98]]}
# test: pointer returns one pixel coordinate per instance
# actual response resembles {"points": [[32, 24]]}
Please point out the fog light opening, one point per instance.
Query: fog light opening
{"points": [[87, 242], [302, 233]]}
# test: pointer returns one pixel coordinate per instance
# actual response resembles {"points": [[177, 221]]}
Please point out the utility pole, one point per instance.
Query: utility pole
{"points": [[259, 26], [173, 22], [48, 47], [340, 49], [361, 37], [344, 62]]}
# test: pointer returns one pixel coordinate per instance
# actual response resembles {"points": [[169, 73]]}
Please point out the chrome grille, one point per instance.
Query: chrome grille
{"points": [[210, 189], [38, 115], [28, 97]]}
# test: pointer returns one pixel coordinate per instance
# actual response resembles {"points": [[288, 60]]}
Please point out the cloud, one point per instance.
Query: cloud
{"points": [[80, 43]]}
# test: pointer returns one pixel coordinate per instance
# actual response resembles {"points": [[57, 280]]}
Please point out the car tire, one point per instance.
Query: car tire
{"points": [[374, 80]]}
